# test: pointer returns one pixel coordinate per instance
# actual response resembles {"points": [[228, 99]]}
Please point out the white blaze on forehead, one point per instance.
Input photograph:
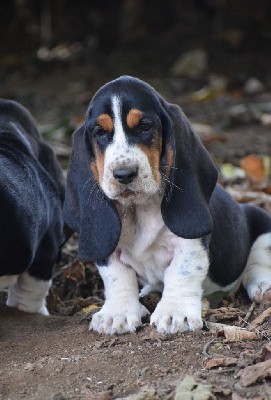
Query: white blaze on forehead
{"points": [[119, 136]]}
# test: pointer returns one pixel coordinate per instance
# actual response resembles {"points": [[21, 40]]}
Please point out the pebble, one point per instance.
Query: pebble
{"points": [[29, 367]]}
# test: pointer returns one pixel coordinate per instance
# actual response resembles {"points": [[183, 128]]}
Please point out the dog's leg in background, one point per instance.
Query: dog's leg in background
{"points": [[257, 274], [28, 294], [122, 311], [180, 307]]}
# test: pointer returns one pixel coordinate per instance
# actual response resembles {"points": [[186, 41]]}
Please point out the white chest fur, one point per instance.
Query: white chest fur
{"points": [[146, 244], [147, 251]]}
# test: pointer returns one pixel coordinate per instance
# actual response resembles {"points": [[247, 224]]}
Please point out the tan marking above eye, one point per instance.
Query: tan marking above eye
{"points": [[134, 116], [105, 122]]}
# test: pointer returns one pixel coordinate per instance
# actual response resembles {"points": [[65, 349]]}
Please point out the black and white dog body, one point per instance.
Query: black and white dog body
{"points": [[32, 192], [142, 193]]}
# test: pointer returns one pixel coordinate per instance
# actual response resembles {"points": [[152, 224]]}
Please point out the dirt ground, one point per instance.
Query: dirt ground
{"points": [[57, 357]]}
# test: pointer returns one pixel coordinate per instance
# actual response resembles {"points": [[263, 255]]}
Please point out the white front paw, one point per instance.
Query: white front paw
{"points": [[260, 292], [112, 319], [173, 317]]}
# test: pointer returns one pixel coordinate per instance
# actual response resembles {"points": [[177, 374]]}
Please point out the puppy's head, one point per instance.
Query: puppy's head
{"points": [[133, 145], [124, 126]]}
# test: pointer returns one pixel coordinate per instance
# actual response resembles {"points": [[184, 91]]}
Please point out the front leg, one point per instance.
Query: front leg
{"points": [[122, 311], [179, 309]]}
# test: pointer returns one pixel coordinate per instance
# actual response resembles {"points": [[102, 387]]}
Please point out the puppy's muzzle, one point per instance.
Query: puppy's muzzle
{"points": [[125, 175]]}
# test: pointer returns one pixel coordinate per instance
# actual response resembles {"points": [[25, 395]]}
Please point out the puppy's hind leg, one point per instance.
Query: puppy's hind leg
{"points": [[28, 294], [257, 274]]}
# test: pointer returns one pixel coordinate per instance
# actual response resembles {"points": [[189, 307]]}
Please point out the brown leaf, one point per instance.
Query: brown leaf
{"points": [[256, 372], [75, 271], [255, 167], [235, 334], [261, 318], [221, 362], [225, 313]]}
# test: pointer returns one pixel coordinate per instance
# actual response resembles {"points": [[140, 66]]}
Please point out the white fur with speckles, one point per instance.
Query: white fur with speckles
{"points": [[151, 254]]}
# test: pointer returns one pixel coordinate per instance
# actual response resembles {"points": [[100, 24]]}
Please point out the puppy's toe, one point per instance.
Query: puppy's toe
{"points": [[110, 322], [162, 322], [173, 318], [194, 323], [260, 292], [101, 322]]}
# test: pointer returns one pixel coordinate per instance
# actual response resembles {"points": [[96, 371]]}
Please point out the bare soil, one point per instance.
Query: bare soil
{"points": [[59, 358]]}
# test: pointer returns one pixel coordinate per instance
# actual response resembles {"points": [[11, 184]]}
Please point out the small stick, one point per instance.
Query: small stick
{"points": [[205, 352], [248, 314], [261, 334]]}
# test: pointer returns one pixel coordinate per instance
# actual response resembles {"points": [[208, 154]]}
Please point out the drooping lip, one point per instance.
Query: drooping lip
{"points": [[127, 193]]}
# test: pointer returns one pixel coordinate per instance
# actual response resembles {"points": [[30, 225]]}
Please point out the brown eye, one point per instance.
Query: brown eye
{"points": [[98, 131], [145, 126]]}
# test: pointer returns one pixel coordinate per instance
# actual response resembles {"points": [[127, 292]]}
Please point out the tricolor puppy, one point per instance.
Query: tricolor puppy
{"points": [[142, 193], [31, 193]]}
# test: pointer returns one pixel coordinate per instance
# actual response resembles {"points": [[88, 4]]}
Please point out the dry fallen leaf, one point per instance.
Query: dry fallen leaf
{"points": [[261, 318], [75, 271], [256, 372], [235, 334], [225, 313], [256, 167], [221, 362]]}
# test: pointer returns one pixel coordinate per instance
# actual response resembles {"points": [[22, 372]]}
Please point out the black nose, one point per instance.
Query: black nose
{"points": [[125, 175]]}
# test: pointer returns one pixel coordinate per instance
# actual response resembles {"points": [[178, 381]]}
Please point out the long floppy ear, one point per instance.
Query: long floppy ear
{"points": [[86, 209], [192, 177]]}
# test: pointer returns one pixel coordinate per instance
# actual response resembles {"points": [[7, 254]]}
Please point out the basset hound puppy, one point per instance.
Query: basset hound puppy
{"points": [[31, 197], [142, 193]]}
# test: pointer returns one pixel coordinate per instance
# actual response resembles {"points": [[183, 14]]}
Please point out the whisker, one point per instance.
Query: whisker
{"points": [[169, 181], [167, 167], [88, 180]]}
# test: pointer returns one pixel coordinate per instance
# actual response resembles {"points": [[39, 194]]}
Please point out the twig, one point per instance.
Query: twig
{"points": [[260, 333], [248, 314], [205, 349]]}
